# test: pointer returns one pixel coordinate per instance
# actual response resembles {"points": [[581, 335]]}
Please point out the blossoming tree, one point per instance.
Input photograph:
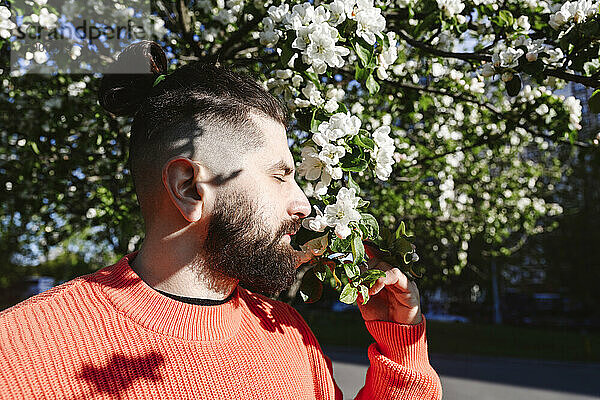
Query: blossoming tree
{"points": [[444, 114]]}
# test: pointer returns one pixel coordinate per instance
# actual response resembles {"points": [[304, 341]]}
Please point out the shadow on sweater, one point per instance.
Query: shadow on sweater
{"points": [[121, 372]]}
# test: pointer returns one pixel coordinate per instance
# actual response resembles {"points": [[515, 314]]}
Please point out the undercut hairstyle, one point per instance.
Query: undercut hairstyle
{"points": [[202, 111]]}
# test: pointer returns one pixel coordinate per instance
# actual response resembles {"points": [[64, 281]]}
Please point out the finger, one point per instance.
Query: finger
{"points": [[409, 298], [394, 279], [390, 278], [377, 286]]}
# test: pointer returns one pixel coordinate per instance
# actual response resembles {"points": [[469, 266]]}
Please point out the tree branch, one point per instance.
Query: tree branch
{"points": [[442, 53], [589, 81]]}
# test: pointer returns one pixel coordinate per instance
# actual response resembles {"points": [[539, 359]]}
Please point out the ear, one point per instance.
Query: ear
{"points": [[186, 182]]}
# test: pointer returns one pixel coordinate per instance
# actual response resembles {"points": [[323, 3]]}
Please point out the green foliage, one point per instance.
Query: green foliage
{"points": [[473, 166]]}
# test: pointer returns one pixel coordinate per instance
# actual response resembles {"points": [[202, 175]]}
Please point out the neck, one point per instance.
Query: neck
{"points": [[172, 266]]}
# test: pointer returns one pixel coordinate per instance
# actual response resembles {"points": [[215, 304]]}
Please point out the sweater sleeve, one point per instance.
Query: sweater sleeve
{"points": [[399, 364]]}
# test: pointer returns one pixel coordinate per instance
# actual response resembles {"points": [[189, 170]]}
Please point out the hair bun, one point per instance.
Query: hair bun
{"points": [[125, 83]]}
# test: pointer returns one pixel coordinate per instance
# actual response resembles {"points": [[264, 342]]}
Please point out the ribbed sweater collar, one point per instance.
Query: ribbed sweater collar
{"points": [[133, 297]]}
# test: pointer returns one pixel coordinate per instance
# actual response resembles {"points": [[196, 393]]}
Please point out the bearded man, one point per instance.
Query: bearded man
{"points": [[187, 315]]}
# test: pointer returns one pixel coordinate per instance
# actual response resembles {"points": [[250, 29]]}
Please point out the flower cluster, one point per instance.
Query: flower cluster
{"points": [[338, 215], [369, 20], [508, 57], [384, 152], [323, 163], [6, 25], [316, 35], [573, 106], [452, 8], [576, 11], [387, 57]]}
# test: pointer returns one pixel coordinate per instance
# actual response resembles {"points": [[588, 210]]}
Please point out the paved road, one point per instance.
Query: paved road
{"points": [[483, 378]]}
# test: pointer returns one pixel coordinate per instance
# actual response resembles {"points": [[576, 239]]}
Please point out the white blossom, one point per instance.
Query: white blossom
{"points": [[46, 19], [317, 224], [40, 56], [576, 11], [340, 214], [76, 88], [339, 126], [6, 25], [311, 165], [451, 7], [573, 105], [369, 20], [322, 50], [387, 57], [269, 36], [279, 13], [312, 93], [331, 154], [507, 58], [383, 152], [523, 23]]}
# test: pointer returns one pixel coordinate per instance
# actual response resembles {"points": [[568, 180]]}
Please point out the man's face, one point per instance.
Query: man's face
{"points": [[248, 233]]}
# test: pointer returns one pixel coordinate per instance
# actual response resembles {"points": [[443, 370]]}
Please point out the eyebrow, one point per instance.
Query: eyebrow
{"points": [[281, 166]]}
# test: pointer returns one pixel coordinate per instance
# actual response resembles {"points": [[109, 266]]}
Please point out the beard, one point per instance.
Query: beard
{"points": [[239, 246]]}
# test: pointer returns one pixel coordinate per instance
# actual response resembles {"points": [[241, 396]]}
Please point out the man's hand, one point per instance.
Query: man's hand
{"points": [[393, 298]]}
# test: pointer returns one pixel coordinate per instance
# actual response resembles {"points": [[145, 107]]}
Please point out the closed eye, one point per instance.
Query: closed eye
{"points": [[279, 178]]}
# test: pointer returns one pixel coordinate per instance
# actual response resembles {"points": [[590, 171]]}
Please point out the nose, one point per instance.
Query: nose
{"points": [[299, 206]]}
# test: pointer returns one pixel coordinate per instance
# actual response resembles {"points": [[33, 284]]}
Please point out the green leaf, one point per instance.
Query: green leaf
{"points": [[401, 231], [311, 288], [352, 184], [340, 245], [505, 18], [425, 102], [358, 249], [314, 122], [35, 148], [351, 270], [363, 53], [370, 276], [372, 85], [364, 291], [159, 79], [363, 141], [362, 203], [361, 74], [371, 224], [594, 102], [353, 163], [349, 294]]}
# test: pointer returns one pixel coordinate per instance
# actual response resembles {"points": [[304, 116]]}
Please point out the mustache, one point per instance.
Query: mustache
{"points": [[288, 227]]}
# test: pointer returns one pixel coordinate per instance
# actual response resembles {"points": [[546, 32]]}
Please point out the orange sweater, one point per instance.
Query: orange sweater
{"points": [[110, 335]]}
